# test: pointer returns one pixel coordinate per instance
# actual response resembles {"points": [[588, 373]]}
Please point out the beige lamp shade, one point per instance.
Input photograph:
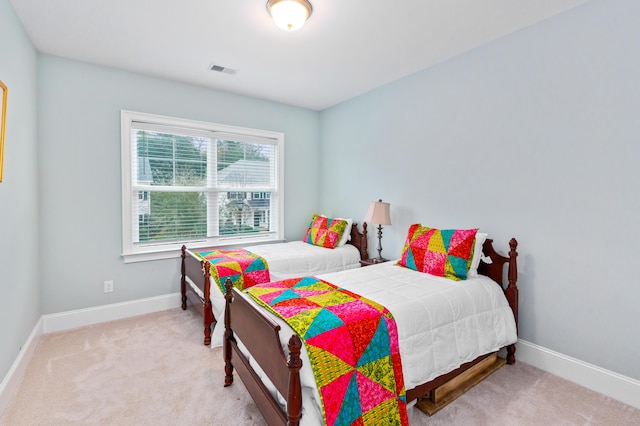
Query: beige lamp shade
{"points": [[378, 213]]}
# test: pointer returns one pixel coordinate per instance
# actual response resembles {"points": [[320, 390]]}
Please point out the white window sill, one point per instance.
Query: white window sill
{"points": [[173, 252]]}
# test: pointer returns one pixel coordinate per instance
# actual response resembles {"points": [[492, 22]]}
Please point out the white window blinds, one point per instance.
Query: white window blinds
{"points": [[193, 183]]}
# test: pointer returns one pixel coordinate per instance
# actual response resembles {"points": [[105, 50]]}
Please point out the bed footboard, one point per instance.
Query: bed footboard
{"points": [[198, 272], [260, 335]]}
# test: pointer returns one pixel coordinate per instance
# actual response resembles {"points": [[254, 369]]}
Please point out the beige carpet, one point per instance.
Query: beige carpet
{"points": [[154, 370]]}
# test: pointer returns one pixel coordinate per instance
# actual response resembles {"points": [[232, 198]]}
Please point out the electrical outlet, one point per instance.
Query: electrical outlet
{"points": [[108, 286]]}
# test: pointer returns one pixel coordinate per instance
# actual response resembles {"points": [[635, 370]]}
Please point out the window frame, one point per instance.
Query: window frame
{"points": [[136, 252]]}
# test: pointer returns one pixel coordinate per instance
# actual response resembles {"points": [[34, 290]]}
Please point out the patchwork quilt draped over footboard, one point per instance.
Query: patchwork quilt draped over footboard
{"points": [[244, 268], [352, 343]]}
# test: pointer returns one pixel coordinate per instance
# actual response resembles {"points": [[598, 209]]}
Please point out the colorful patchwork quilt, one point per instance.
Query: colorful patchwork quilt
{"points": [[245, 269], [352, 343]]}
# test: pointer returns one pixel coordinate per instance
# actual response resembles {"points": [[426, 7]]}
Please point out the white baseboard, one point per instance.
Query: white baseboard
{"points": [[74, 319], [89, 316], [613, 385], [14, 376]]}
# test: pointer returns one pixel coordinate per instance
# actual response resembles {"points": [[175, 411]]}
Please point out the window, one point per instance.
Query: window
{"points": [[260, 195], [197, 183]]}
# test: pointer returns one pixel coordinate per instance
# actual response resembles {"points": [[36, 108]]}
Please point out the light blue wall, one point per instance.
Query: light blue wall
{"points": [[19, 285], [79, 152], [535, 136]]}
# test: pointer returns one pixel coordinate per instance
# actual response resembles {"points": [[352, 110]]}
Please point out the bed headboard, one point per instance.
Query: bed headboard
{"points": [[495, 271], [359, 240]]}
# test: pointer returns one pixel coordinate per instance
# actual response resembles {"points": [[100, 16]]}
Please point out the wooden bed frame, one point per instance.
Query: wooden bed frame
{"points": [[200, 274], [260, 335]]}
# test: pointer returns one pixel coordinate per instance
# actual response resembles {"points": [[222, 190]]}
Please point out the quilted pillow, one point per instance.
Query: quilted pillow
{"points": [[324, 231], [440, 252], [347, 230]]}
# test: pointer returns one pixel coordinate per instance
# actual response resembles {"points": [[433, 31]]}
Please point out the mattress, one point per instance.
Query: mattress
{"points": [[441, 323]]}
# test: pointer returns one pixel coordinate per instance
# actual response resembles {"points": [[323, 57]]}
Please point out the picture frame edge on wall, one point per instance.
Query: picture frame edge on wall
{"points": [[3, 123]]}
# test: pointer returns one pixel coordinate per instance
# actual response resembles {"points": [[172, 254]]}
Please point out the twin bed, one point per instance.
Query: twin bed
{"points": [[285, 260], [445, 328]]}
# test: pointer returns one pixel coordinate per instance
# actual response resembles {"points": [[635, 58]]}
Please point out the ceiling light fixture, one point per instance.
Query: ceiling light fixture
{"points": [[289, 15]]}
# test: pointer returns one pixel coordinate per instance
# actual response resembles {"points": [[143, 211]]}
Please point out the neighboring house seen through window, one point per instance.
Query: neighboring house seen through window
{"points": [[197, 183]]}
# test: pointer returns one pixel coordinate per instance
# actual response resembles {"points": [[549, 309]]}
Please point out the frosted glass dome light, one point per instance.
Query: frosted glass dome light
{"points": [[289, 15]]}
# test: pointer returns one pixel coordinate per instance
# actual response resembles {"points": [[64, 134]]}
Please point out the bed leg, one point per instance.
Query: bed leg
{"points": [[294, 400], [512, 293], [511, 354], [208, 321], [183, 279], [207, 312], [228, 334]]}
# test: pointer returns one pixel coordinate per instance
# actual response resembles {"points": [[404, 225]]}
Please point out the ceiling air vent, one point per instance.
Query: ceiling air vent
{"points": [[220, 68]]}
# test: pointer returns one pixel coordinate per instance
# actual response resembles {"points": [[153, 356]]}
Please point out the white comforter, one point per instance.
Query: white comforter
{"points": [[298, 259], [441, 323]]}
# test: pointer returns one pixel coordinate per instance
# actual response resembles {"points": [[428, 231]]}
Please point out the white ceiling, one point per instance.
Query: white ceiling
{"points": [[347, 47]]}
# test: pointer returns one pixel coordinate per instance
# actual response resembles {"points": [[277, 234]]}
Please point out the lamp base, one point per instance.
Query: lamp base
{"points": [[379, 260]]}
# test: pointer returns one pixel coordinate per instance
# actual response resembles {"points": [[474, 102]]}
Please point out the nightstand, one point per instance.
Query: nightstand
{"points": [[370, 262]]}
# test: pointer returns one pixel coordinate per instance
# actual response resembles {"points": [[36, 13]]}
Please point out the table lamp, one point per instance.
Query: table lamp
{"points": [[378, 214]]}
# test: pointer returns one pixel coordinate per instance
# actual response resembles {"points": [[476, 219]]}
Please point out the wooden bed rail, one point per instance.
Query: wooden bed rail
{"points": [[260, 335]]}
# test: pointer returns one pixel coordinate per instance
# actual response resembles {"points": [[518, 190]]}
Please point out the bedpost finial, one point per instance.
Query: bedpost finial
{"points": [[513, 267], [295, 344], [228, 285], [513, 244]]}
